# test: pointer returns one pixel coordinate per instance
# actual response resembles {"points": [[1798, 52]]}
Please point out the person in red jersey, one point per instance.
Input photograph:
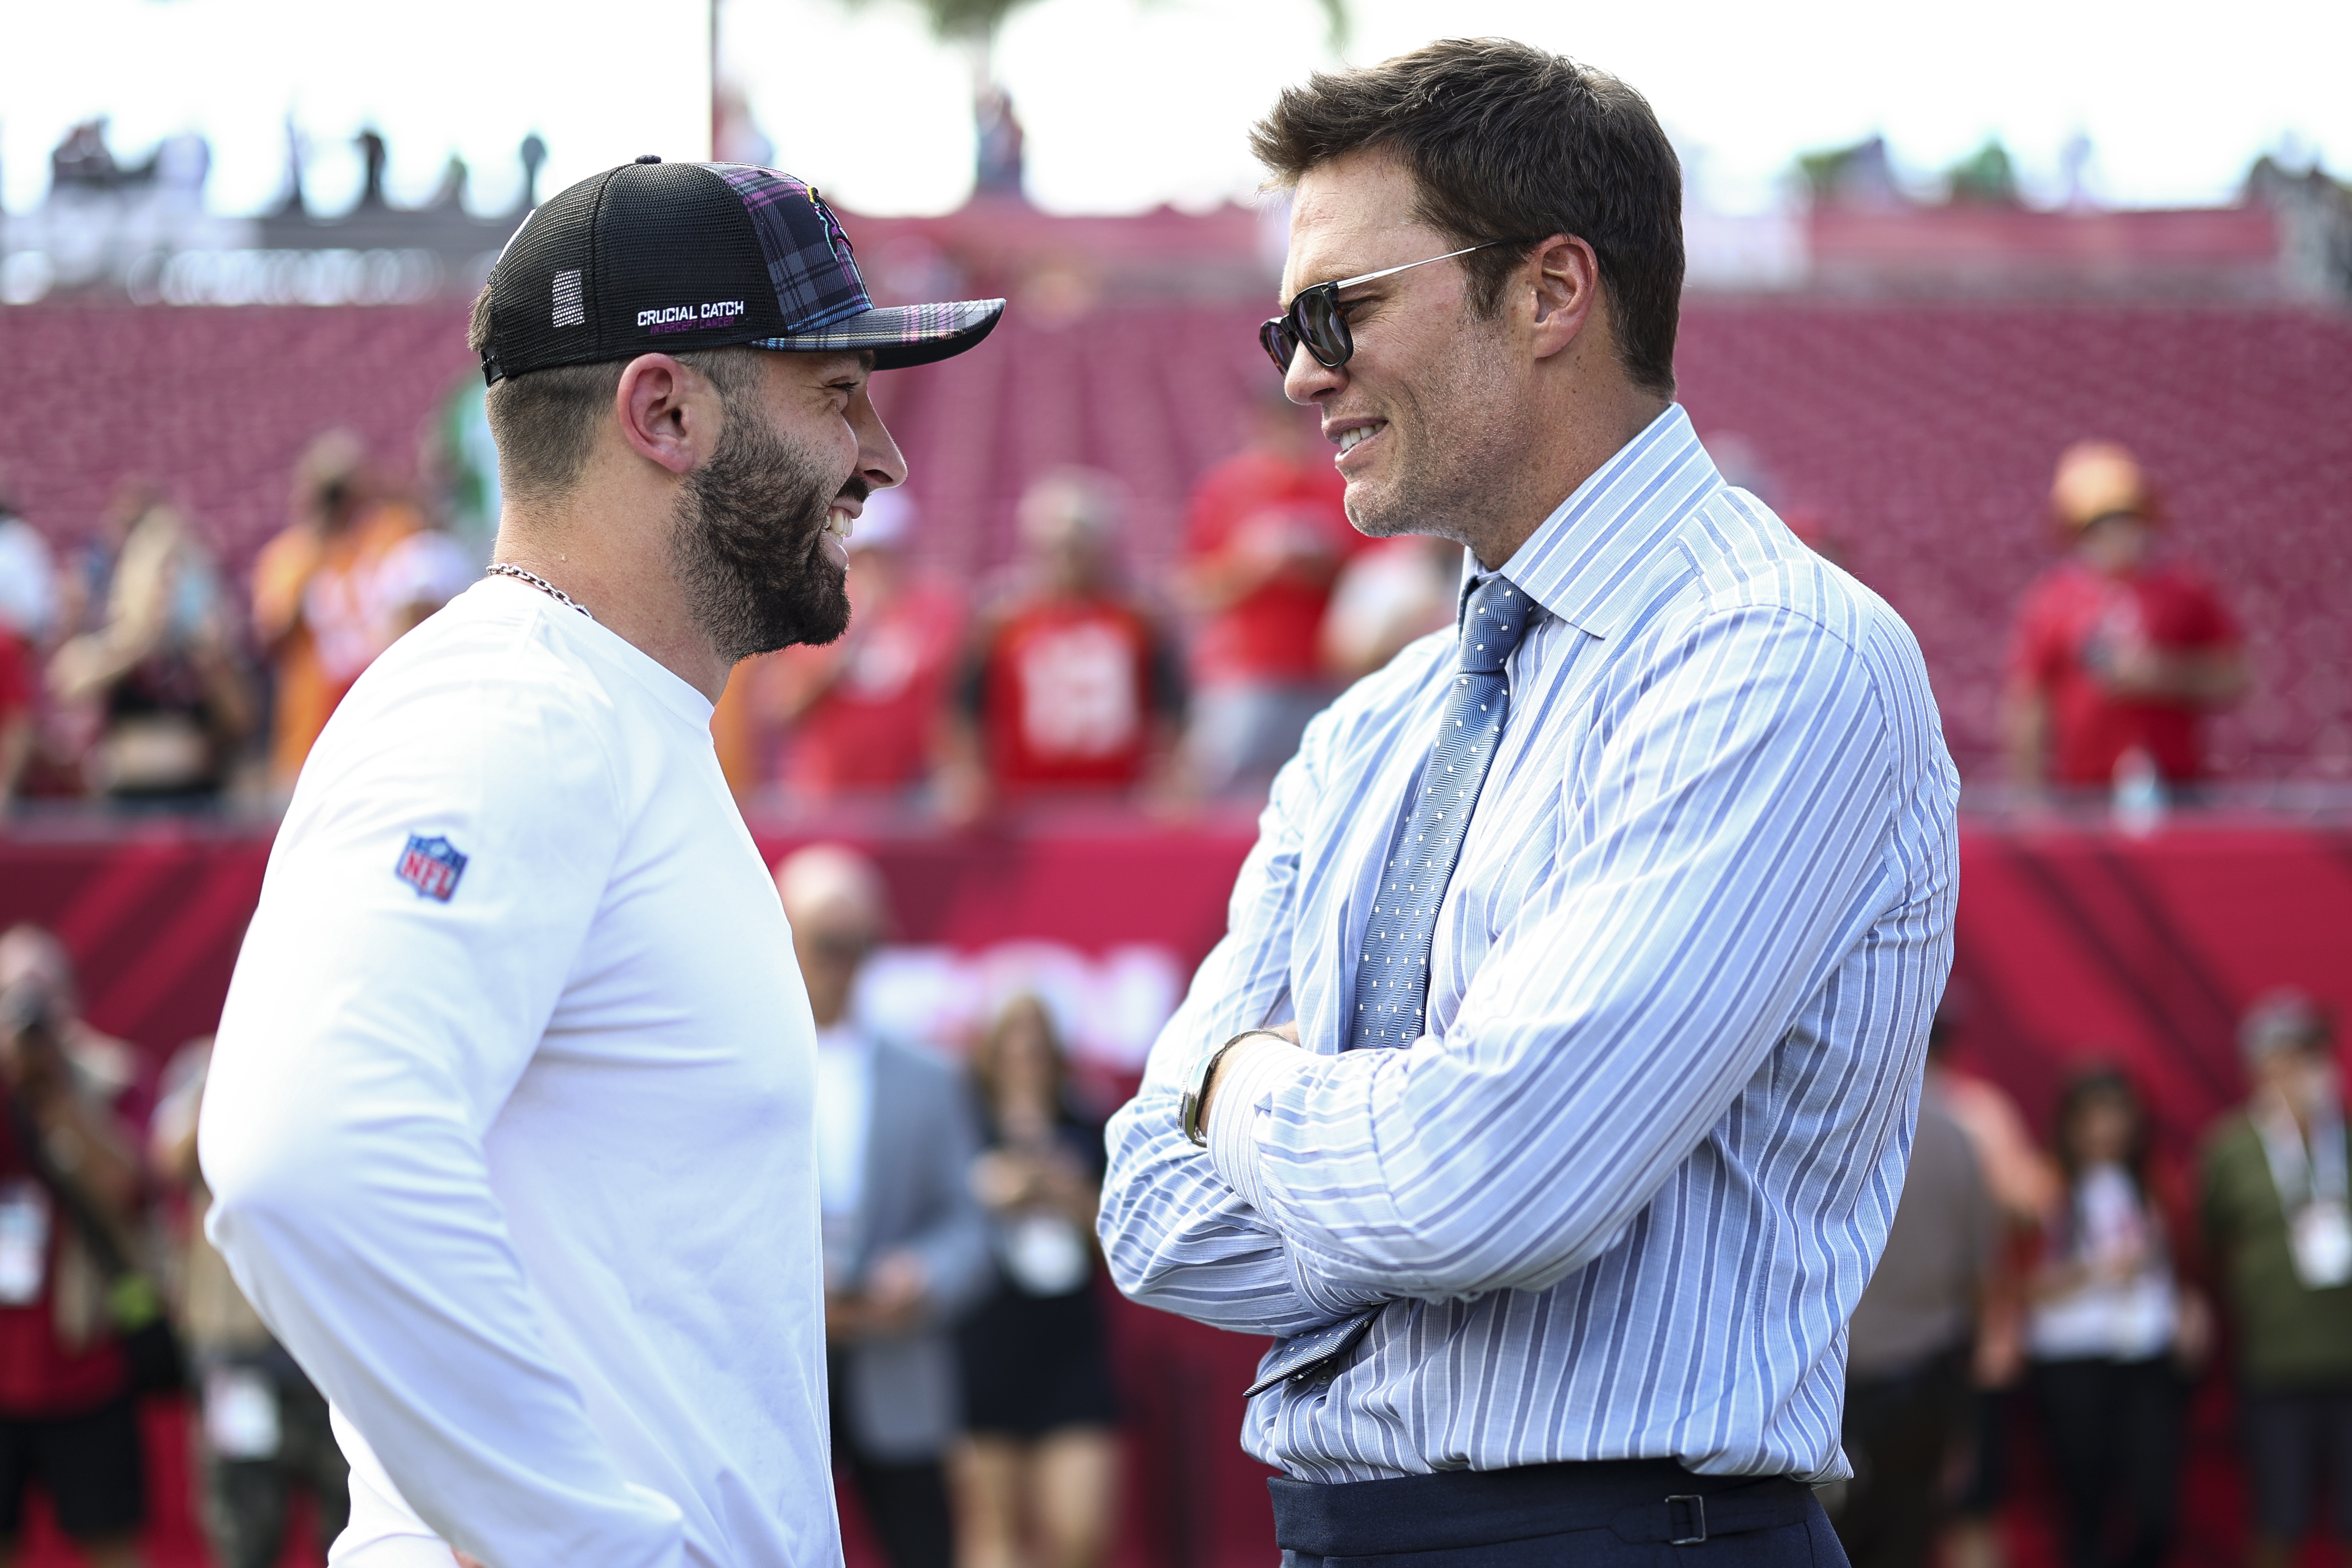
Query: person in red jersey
{"points": [[2118, 653], [862, 715], [1266, 536], [1071, 683]]}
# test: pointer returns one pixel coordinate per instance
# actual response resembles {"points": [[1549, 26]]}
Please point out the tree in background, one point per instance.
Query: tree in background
{"points": [[1985, 178]]}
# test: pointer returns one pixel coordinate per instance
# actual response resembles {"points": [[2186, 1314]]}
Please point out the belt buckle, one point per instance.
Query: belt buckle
{"points": [[1698, 1519]]}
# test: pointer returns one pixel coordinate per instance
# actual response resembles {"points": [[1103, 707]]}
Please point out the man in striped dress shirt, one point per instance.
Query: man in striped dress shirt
{"points": [[1551, 1093]]}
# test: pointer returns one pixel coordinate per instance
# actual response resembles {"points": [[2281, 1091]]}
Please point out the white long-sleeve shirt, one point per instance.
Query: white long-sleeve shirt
{"points": [[524, 1177]]}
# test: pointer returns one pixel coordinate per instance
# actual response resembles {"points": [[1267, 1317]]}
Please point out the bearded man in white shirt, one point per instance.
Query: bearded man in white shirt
{"points": [[509, 1129]]}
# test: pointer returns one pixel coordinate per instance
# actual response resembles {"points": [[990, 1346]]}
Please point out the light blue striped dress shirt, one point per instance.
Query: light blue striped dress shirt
{"points": [[1621, 1196]]}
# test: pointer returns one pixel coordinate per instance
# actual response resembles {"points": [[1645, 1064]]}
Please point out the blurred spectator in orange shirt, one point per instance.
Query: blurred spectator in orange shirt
{"points": [[1266, 537], [162, 674], [336, 588], [863, 714], [2118, 654], [1070, 684]]}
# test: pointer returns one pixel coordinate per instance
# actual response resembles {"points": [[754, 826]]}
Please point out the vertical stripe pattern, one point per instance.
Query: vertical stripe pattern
{"points": [[1619, 1196]]}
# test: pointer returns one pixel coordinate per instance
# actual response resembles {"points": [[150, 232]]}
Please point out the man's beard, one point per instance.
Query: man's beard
{"points": [[1445, 478], [746, 543]]}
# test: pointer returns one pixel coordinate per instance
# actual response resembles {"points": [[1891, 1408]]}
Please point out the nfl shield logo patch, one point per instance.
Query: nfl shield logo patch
{"points": [[432, 866]]}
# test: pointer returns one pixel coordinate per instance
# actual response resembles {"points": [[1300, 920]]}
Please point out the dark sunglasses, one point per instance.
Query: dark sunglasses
{"points": [[1315, 319]]}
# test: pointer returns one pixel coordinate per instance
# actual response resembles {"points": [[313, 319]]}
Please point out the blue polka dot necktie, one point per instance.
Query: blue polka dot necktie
{"points": [[1393, 975]]}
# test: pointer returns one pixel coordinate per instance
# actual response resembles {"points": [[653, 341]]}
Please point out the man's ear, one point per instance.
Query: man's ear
{"points": [[669, 416], [1562, 276]]}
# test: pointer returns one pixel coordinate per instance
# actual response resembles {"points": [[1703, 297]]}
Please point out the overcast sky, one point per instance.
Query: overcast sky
{"points": [[1133, 102]]}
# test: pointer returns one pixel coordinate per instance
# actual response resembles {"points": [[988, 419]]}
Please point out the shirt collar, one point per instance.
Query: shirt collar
{"points": [[664, 684], [1585, 562]]}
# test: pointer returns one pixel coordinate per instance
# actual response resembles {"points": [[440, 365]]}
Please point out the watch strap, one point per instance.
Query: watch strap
{"points": [[1196, 1089]]}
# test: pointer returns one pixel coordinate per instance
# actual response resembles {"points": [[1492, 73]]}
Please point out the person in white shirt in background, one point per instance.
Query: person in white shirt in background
{"points": [[2113, 1336], [28, 608], [28, 574], [1386, 598], [906, 1241], [508, 1123]]}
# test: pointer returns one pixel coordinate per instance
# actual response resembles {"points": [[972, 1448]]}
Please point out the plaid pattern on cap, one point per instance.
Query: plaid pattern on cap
{"points": [[679, 256], [821, 293], [886, 326], [809, 258]]}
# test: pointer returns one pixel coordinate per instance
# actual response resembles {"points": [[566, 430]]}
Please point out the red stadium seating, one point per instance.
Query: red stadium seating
{"points": [[1924, 437]]}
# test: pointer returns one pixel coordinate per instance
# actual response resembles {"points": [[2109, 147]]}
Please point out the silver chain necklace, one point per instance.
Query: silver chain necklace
{"points": [[505, 569]]}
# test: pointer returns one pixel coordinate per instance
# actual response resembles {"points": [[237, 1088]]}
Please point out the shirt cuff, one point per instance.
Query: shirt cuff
{"points": [[1243, 1089]]}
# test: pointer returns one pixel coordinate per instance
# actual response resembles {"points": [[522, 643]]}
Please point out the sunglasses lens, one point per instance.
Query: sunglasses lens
{"points": [[1324, 328], [1314, 319], [1279, 342]]}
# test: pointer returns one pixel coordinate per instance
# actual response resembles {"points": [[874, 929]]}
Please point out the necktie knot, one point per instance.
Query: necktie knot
{"points": [[1493, 623]]}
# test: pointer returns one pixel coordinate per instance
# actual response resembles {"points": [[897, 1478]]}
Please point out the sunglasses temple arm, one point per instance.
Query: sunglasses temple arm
{"points": [[1408, 267]]}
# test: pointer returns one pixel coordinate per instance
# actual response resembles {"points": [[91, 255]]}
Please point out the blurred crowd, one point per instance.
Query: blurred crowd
{"points": [[134, 670], [2083, 1290], [2073, 1293], [2079, 1289], [1065, 678]]}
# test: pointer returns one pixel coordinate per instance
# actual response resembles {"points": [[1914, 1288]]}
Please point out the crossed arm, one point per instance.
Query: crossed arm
{"points": [[1731, 848]]}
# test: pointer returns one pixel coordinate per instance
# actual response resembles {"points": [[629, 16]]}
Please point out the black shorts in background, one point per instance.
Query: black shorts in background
{"points": [[1035, 1365], [90, 1466], [2299, 1443]]}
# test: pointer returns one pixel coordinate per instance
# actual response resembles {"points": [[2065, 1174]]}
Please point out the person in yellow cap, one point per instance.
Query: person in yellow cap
{"points": [[2118, 653]]}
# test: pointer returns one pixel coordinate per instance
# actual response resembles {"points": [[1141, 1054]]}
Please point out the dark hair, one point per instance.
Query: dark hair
{"points": [[2100, 1082], [1509, 142], [986, 1062], [544, 423]]}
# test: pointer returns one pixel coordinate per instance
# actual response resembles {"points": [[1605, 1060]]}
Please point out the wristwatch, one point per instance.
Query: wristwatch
{"points": [[1196, 1088]]}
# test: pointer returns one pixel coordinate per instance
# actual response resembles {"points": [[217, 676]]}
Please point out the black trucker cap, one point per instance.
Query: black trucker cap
{"points": [[655, 257]]}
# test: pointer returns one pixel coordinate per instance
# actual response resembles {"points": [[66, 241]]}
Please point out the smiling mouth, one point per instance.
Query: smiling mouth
{"points": [[1351, 439], [841, 523]]}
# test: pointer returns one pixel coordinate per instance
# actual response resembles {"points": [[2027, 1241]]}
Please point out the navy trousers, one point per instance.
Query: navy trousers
{"points": [[1633, 1513]]}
